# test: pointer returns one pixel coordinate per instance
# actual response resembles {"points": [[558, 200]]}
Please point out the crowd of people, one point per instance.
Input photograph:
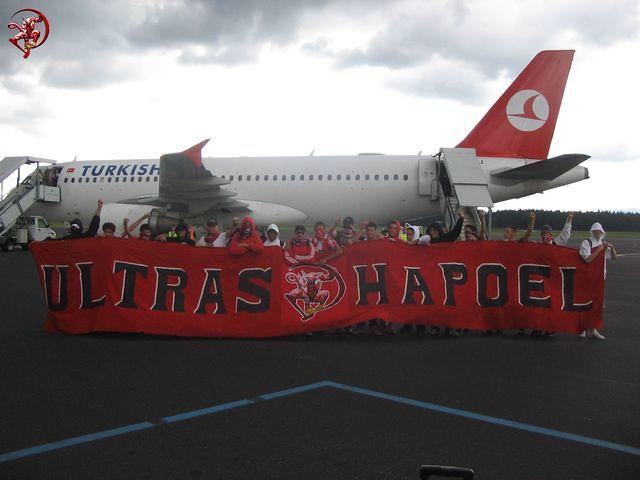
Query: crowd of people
{"points": [[243, 237]]}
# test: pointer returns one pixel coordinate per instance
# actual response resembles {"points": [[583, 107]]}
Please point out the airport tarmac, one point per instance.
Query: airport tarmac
{"points": [[330, 406]]}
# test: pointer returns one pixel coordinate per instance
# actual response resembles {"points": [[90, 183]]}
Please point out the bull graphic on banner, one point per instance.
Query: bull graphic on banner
{"points": [[317, 288]]}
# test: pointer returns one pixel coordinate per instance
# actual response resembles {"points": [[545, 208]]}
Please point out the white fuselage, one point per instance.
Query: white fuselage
{"points": [[292, 189]]}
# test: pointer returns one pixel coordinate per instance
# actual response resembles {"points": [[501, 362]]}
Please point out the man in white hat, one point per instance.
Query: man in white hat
{"points": [[589, 251]]}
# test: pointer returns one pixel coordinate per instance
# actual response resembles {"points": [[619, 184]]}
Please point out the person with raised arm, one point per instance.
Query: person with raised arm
{"points": [[75, 229], [128, 228]]}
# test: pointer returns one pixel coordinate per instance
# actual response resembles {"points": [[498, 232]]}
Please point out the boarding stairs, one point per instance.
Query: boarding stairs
{"points": [[460, 183], [34, 188]]}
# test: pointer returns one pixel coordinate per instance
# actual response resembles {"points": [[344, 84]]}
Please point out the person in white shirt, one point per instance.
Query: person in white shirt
{"points": [[273, 237], [589, 250], [212, 237]]}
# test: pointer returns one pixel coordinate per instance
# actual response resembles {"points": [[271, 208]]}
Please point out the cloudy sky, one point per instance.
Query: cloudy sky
{"points": [[138, 78]]}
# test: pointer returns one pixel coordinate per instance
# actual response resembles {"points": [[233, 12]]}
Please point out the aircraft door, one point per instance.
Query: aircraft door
{"points": [[426, 176]]}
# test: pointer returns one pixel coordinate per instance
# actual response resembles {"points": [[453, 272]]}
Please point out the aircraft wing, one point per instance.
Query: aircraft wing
{"points": [[543, 169], [186, 186]]}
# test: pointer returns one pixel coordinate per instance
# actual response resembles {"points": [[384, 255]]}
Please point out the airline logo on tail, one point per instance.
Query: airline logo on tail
{"points": [[521, 123], [527, 110]]}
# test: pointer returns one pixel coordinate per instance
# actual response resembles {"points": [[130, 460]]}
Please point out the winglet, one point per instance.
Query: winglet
{"points": [[195, 153]]}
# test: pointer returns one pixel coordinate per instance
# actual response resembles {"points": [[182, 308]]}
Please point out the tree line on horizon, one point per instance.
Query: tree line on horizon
{"points": [[611, 221]]}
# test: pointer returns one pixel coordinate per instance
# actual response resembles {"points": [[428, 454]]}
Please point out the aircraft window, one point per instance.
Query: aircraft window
{"points": [[66, 180], [124, 179], [348, 177], [109, 179], [148, 178], [310, 177], [358, 177], [338, 177], [248, 178], [386, 177], [395, 177], [376, 177], [266, 178], [301, 177], [117, 179], [257, 178], [73, 180], [283, 178], [367, 176], [329, 177], [239, 178], [155, 179], [275, 177], [139, 179], [231, 178], [293, 177], [95, 179], [223, 176], [406, 177], [319, 177]]}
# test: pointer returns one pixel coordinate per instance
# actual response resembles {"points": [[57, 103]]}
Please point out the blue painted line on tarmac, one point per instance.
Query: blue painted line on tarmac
{"points": [[294, 390], [48, 447], [92, 437], [493, 420], [206, 411]]}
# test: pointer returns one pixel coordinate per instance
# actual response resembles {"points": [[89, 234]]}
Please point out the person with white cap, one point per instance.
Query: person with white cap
{"points": [[273, 237], [589, 250], [414, 237]]}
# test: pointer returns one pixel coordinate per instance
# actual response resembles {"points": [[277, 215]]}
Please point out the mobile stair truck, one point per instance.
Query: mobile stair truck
{"points": [[17, 228]]}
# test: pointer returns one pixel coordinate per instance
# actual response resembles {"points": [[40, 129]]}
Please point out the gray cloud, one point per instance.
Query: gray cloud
{"points": [[481, 40], [96, 43], [442, 79]]}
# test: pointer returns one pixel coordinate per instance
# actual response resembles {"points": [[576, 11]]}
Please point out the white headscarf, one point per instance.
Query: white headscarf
{"points": [[275, 242], [416, 232], [595, 241]]}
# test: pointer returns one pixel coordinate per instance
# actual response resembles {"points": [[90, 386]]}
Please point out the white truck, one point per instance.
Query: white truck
{"points": [[27, 229]]}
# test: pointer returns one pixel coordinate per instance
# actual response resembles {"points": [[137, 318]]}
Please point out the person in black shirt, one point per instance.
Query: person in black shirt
{"points": [[438, 235], [75, 229]]}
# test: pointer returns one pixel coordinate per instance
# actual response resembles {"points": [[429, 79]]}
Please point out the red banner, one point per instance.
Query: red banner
{"points": [[121, 285]]}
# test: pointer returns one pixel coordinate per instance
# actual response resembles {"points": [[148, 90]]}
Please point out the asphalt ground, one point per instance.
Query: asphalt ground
{"points": [[510, 407]]}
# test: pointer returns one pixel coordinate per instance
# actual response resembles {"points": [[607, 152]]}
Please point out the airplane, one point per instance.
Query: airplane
{"points": [[503, 157]]}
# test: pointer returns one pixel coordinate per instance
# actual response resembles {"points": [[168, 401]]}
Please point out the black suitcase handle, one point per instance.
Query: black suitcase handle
{"points": [[427, 471]]}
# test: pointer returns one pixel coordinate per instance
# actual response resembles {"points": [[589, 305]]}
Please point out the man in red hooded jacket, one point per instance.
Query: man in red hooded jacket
{"points": [[394, 232], [246, 239]]}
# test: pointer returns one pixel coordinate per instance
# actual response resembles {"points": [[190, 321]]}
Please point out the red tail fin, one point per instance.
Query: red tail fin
{"points": [[522, 121]]}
